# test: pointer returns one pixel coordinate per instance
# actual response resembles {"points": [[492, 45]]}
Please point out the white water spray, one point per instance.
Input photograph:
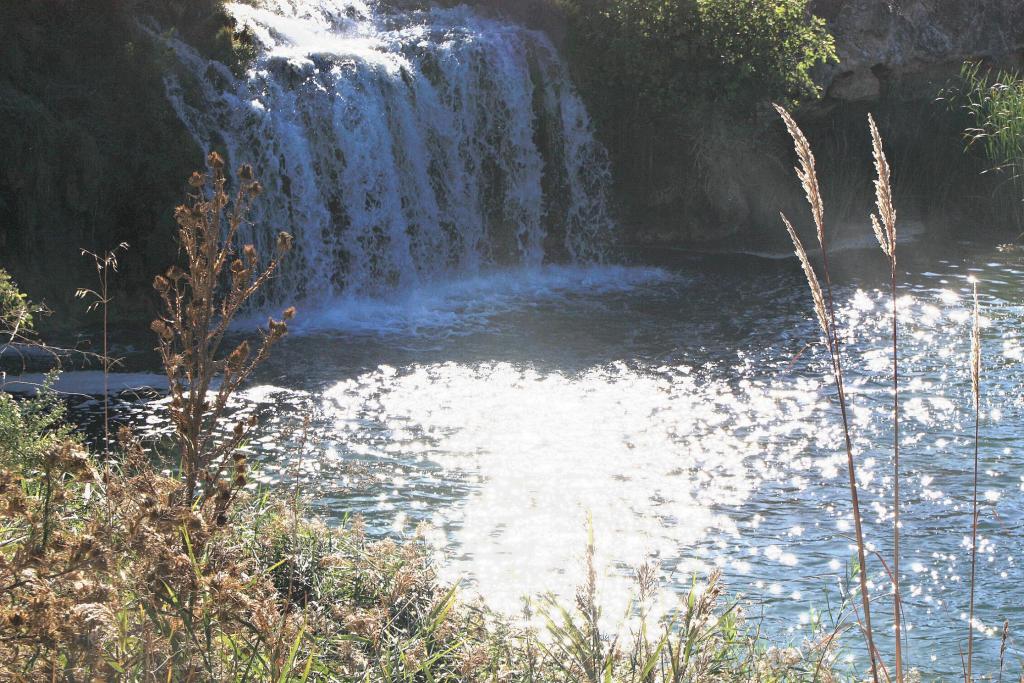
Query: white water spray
{"points": [[402, 148]]}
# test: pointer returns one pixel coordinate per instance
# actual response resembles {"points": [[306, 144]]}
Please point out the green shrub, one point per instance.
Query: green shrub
{"points": [[15, 308], [657, 58], [30, 427]]}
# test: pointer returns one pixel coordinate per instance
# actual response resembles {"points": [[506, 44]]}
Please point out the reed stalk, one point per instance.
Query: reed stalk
{"points": [[976, 395], [825, 309], [884, 225], [105, 263]]}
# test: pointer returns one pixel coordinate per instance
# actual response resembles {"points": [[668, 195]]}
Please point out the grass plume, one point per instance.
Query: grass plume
{"points": [[884, 224]]}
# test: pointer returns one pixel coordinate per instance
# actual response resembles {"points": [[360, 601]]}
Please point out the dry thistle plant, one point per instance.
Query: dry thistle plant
{"points": [[199, 304], [825, 309], [884, 225]]}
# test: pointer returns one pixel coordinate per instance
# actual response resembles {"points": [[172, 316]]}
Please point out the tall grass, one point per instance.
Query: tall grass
{"points": [[976, 396], [883, 222], [101, 298], [995, 100], [824, 306]]}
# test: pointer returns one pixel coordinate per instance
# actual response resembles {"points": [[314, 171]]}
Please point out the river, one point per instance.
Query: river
{"points": [[685, 410]]}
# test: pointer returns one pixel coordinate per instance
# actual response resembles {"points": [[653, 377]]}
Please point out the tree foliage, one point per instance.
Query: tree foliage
{"points": [[656, 58]]}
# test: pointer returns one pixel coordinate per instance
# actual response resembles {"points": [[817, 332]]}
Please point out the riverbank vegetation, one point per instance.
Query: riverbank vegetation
{"points": [[995, 102], [651, 61]]}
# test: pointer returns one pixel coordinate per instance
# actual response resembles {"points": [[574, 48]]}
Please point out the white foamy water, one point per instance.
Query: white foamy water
{"points": [[401, 148], [467, 304]]}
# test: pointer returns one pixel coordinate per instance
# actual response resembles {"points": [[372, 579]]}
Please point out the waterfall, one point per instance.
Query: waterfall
{"points": [[401, 147]]}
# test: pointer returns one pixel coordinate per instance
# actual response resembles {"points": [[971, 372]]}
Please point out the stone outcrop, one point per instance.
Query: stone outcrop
{"points": [[907, 46]]}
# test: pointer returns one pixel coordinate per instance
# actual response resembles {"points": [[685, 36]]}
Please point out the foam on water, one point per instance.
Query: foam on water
{"points": [[468, 304]]}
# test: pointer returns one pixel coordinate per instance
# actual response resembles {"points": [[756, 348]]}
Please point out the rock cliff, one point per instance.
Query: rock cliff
{"points": [[909, 45]]}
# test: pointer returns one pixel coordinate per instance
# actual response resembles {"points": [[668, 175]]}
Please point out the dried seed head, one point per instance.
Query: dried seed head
{"points": [[161, 284], [277, 329], [250, 252], [284, 242], [812, 278], [196, 179], [883, 195], [245, 172], [162, 329], [256, 189], [215, 160], [289, 313], [237, 266]]}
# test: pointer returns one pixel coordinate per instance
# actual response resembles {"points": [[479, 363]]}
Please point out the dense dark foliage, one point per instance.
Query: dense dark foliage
{"points": [[93, 153]]}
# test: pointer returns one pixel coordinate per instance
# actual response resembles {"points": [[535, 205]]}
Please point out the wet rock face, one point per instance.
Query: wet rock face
{"points": [[914, 42]]}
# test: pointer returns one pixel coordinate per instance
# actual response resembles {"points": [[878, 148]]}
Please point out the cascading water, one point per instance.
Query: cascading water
{"points": [[401, 147]]}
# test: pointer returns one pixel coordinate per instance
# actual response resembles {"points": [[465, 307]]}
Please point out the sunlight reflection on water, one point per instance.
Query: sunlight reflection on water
{"points": [[693, 420]]}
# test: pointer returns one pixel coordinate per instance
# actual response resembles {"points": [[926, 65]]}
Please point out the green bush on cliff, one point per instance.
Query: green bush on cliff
{"points": [[657, 58]]}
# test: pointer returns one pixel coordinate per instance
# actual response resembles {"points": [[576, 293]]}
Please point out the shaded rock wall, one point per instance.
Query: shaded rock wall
{"points": [[913, 43]]}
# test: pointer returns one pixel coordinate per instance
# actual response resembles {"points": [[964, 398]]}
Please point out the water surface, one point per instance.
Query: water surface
{"points": [[686, 410]]}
